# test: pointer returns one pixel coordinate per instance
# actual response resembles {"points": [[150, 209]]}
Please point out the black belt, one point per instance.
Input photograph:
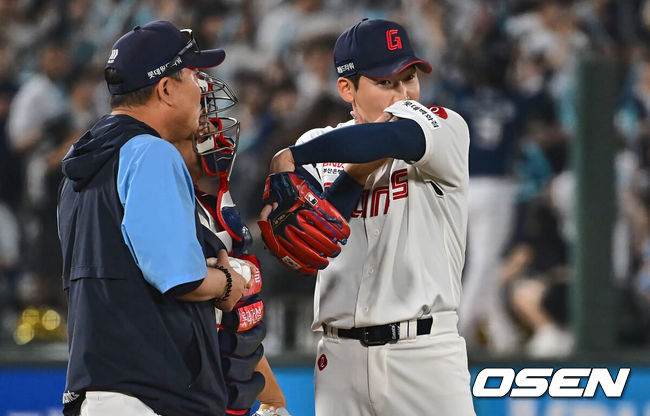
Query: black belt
{"points": [[381, 334]]}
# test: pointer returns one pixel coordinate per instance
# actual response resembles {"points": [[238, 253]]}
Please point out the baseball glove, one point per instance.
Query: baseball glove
{"points": [[304, 230]]}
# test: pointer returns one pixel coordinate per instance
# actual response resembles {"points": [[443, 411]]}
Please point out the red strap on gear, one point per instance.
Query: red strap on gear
{"points": [[250, 315], [252, 258]]}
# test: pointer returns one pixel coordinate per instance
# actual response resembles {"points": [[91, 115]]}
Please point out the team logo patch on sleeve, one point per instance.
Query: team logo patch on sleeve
{"points": [[439, 111]]}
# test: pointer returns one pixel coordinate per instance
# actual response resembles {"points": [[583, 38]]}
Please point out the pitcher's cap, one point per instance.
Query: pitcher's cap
{"points": [[376, 48]]}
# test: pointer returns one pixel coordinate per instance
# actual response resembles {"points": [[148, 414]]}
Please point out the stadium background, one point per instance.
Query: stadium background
{"points": [[558, 92]]}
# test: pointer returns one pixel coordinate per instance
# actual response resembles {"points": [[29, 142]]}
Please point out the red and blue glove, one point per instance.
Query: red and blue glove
{"points": [[305, 229]]}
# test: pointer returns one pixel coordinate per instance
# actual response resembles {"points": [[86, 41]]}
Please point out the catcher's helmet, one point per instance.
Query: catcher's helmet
{"points": [[218, 137]]}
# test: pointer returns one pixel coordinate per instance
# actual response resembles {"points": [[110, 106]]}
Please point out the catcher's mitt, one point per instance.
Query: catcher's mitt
{"points": [[304, 230]]}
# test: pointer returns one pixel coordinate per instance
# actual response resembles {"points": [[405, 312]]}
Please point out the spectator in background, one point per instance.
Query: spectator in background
{"points": [[432, 18], [633, 118], [93, 28], [276, 124], [10, 194], [254, 95], [552, 32], [11, 186], [277, 28], [536, 269], [633, 123], [208, 20], [61, 132], [296, 21], [144, 11], [495, 115], [242, 51], [33, 127], [601, 19], [39, 99], [315, 78], [9, 262]]}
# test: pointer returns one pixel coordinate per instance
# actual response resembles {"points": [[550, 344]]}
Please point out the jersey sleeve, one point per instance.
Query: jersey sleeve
{"points": [[447, 141], [159, 224], [402, 139], [312, 169]]}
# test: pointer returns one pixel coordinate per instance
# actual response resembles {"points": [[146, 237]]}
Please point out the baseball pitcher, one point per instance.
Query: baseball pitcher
{"points": [[387, 300]]}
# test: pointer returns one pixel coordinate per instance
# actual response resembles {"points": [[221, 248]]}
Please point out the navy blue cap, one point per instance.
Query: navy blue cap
{"points": [[150, 52], [376, 48]]}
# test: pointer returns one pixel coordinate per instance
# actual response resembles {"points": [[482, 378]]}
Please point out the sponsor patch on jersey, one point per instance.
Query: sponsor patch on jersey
{"points": [[418, 109], [439, 111], [322, 362]]}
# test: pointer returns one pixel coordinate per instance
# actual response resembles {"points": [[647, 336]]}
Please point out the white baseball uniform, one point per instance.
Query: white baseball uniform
{"points": [[402, 262], [110, 403]]}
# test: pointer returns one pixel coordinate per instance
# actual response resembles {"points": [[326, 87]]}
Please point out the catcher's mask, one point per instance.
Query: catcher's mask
{"points": [[216, 144], [218, 137]]}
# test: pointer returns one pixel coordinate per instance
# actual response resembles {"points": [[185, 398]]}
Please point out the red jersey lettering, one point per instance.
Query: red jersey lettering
{"points": [[400, 183]]}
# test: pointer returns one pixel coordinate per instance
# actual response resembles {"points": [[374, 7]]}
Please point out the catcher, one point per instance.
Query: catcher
{"points": [[209, 157]]}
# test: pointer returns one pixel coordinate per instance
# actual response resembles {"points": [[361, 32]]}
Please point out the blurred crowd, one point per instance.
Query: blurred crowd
{"points": [[507, 66]]}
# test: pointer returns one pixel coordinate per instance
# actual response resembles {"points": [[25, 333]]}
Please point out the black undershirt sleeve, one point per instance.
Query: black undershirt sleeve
{"points": [[343, 194]]}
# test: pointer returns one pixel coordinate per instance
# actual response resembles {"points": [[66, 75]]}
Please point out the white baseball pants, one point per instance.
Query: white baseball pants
{"points": [[108, 403], [426, 375]]}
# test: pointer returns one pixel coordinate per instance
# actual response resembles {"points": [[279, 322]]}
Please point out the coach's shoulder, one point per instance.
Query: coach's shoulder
{"points": [[147, 141], [146, 146]]}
